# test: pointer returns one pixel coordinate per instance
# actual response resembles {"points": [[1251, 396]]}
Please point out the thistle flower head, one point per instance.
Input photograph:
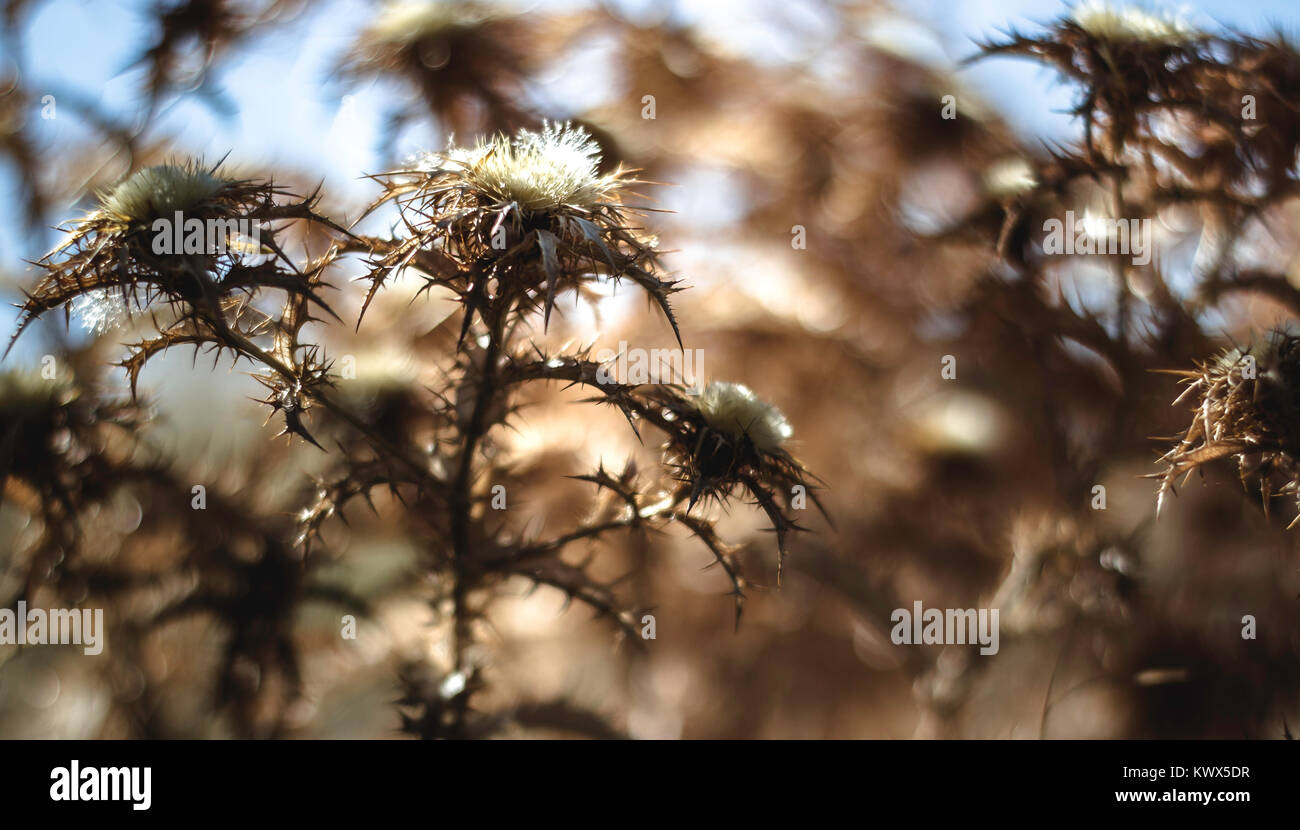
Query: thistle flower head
{"points": [[549, 170], [160, 191], [1274, 360], [1130, 24], [111, 261], [735, 411], [407, 21], [531, 211], [727, 440], [1129, 62]]}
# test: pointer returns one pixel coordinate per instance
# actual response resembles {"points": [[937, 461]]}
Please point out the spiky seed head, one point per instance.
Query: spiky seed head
{"points": [[555, 168], [160, 191], [733, 410], [1131, 24]]}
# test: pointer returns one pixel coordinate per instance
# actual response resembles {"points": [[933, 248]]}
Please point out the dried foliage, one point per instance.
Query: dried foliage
{"points": [[505, 226], [1244, 407], [466, 62], [461, 460]]}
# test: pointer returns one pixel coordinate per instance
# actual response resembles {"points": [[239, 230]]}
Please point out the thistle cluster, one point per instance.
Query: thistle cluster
{"points": [[505, 225]]}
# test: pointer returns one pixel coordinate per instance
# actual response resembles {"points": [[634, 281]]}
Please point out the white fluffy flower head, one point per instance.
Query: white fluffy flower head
{"points": [[1124, 23], [160, 191], [548, 170], [407, 21], [734, 410]]}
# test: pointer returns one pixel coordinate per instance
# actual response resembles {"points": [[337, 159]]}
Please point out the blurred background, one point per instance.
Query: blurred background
{"points": [[758, 118]]}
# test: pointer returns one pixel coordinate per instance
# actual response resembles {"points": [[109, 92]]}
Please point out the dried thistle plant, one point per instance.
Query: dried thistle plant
{"points": [[986, 495], [227, 250], [1245, 406], [528, 215], [504, 226], [1129, 64], [113, 252]]}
